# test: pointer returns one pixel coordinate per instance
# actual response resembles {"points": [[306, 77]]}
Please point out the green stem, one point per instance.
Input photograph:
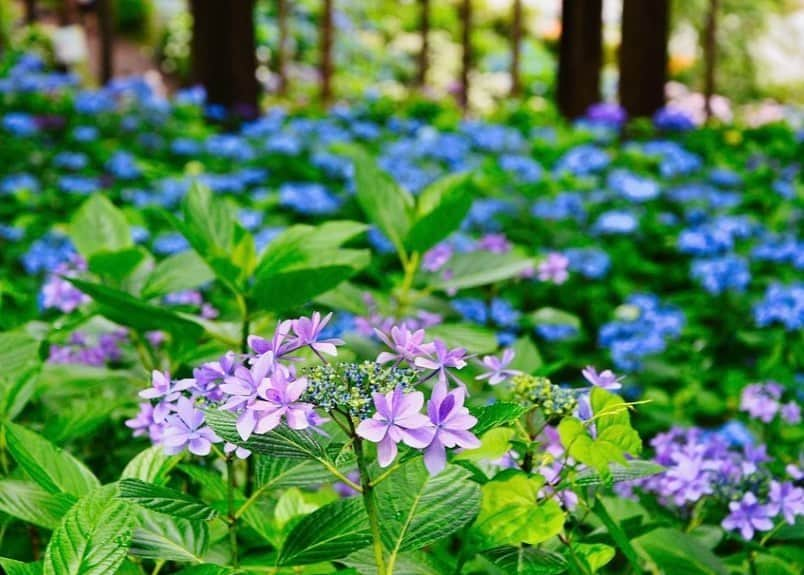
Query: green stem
{"points": [[771, 533], [371, 506], [231, 512], [158, 567], [411, 267]]}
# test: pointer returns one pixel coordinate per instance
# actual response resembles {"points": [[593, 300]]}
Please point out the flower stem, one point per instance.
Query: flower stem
{"points": [[370, 505], [231, 512]]}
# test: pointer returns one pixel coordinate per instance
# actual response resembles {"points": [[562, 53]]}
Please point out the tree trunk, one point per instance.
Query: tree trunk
{"points": [[282, 49], [580, 56], [643, 56], [326, 66], [106, 34], [424, 51], [516, 48], [710, 56], [67, 12], [466, 56], [224, 58], [30, 12]]}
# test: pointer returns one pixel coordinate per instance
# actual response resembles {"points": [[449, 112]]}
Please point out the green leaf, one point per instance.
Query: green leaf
{"points": [[291, 504], [127, 310], [476, 338], [440, 209], [93, 538], [99, 226], [12, 567], [417, 509], [281, 442], [635, 469], [118, 265], [481, 268], [527, 561], [410, 563], [495, 415], [151, 465], [206, 569], [553, 316], [165, 500], [179, 272], [676, 552], [512, 512], [384, 202], [527, 358], [55, 470], [169, 538], [493, 445], [30, 503], [332, 532], [19, 356], [277, 472], [594, 555]]}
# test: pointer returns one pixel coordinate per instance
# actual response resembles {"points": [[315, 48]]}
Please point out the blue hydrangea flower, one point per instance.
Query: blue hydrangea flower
{"points": [[308, 198], [720, 274], [592, 263], [783, 304], [616, 222]]}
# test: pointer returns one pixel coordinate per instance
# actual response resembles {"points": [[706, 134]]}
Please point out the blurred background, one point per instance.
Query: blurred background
{"points": [[729, 59]]}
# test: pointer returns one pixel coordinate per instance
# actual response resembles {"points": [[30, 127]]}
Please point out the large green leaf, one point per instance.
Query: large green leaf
{"points": [[332, 532], [676, 552], [527, 358], [165, 500], [99, 226], [168, 538], [281, 442], [93, 538], [496, 414], [526, 561], [512, 512], [276, 472], [179, 272], [151, 465], [409, 563], [386, 204], [19, 356], [127, 310], [118, 265], [30, 503], [418, 509], [13, 567], [440, 209], [636, 469], [476, 338], [481, 268], [54, 469]]}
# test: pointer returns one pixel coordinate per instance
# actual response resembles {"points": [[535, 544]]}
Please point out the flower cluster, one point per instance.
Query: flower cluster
{"points": [[762, 401], [553, 400], [265, 388], [80, 349]]}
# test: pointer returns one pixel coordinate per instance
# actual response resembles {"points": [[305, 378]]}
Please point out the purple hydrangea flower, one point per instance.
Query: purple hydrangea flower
{"points": [[748, 516], [279, 396], [791, 412], [498, 370], [452, 423], [436, 258], [554, 268], [761, 400], [441, 359], [144, 423], [186, 428], [786, 500], [308, 330], [407, 345], [241, 390], [166, 391], [398, 418], [605, 379], [494, 243], [239, 452]]}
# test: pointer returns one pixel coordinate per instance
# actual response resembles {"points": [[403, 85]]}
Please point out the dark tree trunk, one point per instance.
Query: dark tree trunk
{"points": [[224, 58], [516, 48], [326, 66], [710, 56], [106, 34], [67, 12], [30, 12], [643, 55], [580, 56], [282, 49], [466, 55], [424, 51]]}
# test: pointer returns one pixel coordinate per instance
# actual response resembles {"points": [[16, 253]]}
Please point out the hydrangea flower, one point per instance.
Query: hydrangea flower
{"points": [[398, 419], [748, 516], [605, 379], [554, 268], [498, 370], [451, 422], [186, 429], [407, 345], [168, 392]]}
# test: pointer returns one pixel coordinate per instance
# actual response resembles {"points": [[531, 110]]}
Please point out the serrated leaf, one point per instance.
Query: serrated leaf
{"points": [[677, 552], [93, 538], [151, 465], [52, 468], [28, 502], [495, 415], [635, 469], [99, 226], [169, 538], [281, 442], [409, 563], [165, 500], [179, 272], [275, 472], [332, 532], [481, 268], [13, 567], [440, 210], [417, 509], [527, 561]]}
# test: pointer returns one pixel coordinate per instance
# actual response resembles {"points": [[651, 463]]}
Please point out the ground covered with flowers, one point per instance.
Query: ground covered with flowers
{"points": [[385, 340]]}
